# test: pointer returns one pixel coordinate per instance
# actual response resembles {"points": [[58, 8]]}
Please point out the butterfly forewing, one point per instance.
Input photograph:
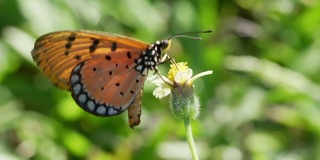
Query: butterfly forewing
{"points": [[57, 53]]}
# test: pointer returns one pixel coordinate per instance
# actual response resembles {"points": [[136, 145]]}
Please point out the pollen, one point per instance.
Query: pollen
{"points": [[174, 68]]}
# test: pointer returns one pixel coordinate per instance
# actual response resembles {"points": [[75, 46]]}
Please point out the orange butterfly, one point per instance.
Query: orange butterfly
{"points": [[104, 72]]}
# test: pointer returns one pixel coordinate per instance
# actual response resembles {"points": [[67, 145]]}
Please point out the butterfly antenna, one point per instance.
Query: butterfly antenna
{"points": [[166, 57], [172, 61], [184, 35]]}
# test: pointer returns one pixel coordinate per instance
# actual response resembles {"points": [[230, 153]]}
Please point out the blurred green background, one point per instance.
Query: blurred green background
{"points": [[261, 102]]}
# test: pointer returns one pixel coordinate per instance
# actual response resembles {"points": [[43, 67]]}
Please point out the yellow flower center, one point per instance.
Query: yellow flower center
{"points": [[175, 68]]}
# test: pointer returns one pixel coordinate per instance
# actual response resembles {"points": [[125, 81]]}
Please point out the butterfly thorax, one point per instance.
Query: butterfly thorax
{"points": [[151, 57]]}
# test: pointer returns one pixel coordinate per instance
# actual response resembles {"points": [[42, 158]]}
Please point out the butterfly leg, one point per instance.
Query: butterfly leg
{"points": [[165, 58], [134, 110]]}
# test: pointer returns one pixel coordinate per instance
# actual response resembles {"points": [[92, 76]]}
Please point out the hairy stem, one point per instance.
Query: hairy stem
{"points": [[190, 140]]}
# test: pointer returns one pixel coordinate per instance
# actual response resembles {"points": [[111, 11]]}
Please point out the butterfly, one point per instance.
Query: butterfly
{"points": [[105, 72]]}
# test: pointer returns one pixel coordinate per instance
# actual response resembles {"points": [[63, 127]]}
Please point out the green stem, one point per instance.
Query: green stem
{"points": [[190, 138]]}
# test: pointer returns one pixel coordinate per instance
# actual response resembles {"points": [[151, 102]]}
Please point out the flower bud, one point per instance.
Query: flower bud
{"points": [[184, 103]]}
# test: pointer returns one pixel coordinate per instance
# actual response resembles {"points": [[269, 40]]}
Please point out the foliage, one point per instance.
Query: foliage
{"points": [[261, 102]]}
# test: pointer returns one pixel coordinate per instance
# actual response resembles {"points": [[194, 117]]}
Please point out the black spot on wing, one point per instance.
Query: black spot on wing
{"points": [[68, 45], [113, 46], [77, 57], [94, 45], [72, 37], [108, 57], [129, 55]]}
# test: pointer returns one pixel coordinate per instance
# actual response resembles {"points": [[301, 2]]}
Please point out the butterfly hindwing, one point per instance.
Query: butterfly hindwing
{"points": [[106, 85]]}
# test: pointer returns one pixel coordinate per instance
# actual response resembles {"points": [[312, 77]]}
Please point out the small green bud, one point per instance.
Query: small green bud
{"points": [[184, 103]]}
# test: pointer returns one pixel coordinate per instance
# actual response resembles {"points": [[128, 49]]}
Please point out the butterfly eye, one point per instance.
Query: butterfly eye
{"points": [[165, 45]]}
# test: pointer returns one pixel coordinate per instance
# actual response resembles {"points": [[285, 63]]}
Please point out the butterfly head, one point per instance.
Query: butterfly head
{"points": [[165, 45], [152, 56]]}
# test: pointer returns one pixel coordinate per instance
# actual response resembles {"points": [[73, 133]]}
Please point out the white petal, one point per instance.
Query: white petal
{"points": [[183, 76], [160, 92], [160, 81], [190, 81], [166, 81], [153, 77]]}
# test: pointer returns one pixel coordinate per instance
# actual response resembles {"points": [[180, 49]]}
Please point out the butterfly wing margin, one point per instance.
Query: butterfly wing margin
{"points": [[57, 53]]}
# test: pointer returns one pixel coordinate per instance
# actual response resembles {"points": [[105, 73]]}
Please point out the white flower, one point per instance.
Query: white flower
{"points": [[179, 74], [163, 88]]}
